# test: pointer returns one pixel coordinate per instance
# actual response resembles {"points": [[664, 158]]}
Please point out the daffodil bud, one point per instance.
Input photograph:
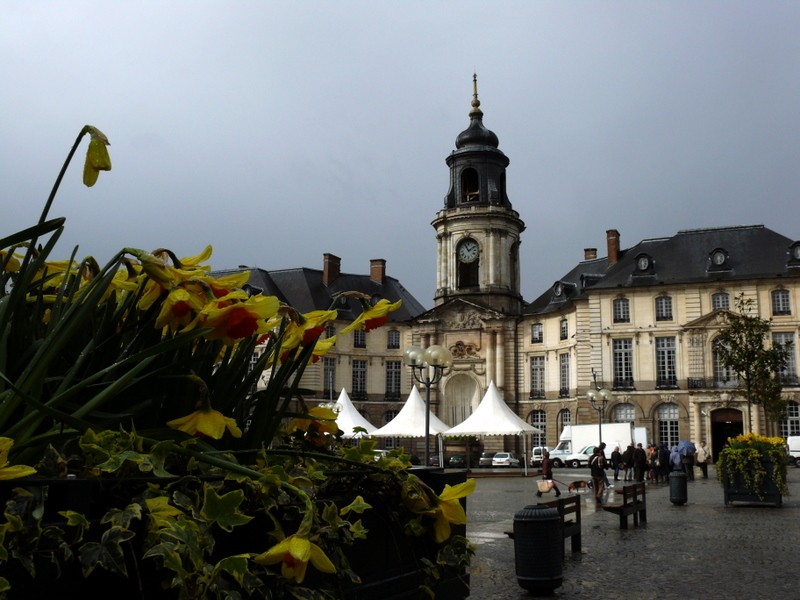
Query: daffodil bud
{"points": [[97, 158]]}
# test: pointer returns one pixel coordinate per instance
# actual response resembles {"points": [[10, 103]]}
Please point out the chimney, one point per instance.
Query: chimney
{"points": [[377, 270], [589, 253], [331, 267], [612, 237]]}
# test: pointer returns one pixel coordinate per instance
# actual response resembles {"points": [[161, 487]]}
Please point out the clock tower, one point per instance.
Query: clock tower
{"points": [[477, 231]]}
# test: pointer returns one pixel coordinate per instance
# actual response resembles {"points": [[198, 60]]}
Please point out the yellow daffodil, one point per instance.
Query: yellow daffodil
{"points": [[294, 553], [16, 471], [374, 316], [11, 263], [321, 421], [233, 319], [322, 348], [449, 509], [97, 158], [179, 308], [208, 422], [306, 329]]}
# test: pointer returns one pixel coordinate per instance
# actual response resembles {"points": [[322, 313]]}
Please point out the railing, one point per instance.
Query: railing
{"points": [[667, 382], [537, 394], [701, 383], [563, 393], [623, 383]]}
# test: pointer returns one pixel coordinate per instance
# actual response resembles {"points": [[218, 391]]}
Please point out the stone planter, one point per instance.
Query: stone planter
{"points": [[767, 493]]}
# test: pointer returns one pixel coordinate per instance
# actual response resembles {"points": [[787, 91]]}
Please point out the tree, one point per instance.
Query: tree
{"points": [[742, 347]]}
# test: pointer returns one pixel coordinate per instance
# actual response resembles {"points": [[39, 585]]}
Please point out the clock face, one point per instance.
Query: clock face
{"points": [[468, 251], [643, 263]]}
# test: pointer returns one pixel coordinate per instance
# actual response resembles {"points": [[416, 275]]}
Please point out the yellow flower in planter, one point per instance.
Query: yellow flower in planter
{"points": [[449, 509], [16, 471], [235, 316], [206, 421], [179, 308], [294, 554]]}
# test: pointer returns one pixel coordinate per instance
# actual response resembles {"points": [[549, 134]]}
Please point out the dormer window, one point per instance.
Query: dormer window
{"points": [[644, 264], [794, 255], [718, 260]]}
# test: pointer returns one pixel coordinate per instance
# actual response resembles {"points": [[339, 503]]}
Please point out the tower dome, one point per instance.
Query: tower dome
{"points": [[476, 134]]}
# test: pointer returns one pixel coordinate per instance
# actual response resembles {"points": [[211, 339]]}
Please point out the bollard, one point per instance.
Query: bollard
{"points": [[677, 487], [537, 548]]}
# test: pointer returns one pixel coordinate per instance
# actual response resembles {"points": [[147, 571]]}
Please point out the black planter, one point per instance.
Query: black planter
{"points": [[768, 493]]}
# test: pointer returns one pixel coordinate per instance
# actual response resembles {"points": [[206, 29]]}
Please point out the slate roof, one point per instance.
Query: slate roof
{"points": [[752, 252], [302, 288]]}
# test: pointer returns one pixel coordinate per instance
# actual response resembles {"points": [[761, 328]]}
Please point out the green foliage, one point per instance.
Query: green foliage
{"points": [[751, 460], [743, 347]]}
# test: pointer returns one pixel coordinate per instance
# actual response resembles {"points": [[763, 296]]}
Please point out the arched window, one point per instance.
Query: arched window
{"points": [[538, 418], [470, 186], [780, 303], [622, 310], [564, 418], [668, 433], [720, 300], [724, 377], [791, 424], [623, 413]]}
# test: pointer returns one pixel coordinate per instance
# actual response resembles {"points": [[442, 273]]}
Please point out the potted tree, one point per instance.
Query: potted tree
{"points": [[138, 449]]}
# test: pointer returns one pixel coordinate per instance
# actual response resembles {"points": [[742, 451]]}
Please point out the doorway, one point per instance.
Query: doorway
{"points": [[725, 423]]}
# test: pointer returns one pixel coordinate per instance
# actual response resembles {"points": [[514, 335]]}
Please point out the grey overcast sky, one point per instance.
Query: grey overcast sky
{"points": [[278, 131]]}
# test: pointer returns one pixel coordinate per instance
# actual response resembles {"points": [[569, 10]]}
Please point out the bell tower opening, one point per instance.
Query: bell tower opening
{"points": [[470, 186]]}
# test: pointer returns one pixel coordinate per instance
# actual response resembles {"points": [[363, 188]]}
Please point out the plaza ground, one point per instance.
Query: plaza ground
{"points": [[702, 549]]}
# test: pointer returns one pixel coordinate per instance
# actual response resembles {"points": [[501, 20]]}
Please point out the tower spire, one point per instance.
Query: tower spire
{"points": [[476, 110]]}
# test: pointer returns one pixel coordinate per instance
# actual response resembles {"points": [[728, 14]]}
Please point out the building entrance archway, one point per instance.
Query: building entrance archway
{"points": [[725, 423]]}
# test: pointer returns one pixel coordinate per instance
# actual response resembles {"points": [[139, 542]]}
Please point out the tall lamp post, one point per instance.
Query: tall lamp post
{"points": [[427, 367], [599, 398]]}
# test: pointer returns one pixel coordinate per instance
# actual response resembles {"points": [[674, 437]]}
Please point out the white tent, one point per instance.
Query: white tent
{"points": [[348, 417], [410, 422], [494, 417]]}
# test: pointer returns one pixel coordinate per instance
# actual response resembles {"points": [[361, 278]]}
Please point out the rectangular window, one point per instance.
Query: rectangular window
{"points": [[537, 376], [663, 308], [537, 333], [622, 312], [780, 303], [393, 380], [564, 329], [359, 339], [329, 378], [665, 363], [563, 385], [623, 364], [359, 380], [668, 424], [787, 375], [393, 339]]}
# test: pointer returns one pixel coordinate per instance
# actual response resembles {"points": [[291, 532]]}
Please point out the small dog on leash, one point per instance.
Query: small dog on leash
{"points": [[577, 485]]}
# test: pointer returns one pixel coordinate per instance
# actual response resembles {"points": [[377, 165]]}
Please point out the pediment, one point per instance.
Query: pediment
{"points": [[460, 314], [714, 320]]}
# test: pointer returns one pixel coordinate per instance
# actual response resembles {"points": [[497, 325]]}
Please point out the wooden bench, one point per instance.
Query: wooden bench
{"points": [[570, 527], [634, 502]]}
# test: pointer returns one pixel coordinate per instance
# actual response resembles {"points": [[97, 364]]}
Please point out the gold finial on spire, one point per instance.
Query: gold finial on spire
{"points": [[476, 111]]}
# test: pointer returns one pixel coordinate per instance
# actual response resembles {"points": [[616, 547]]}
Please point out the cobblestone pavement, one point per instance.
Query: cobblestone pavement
{"points": [[702, 549]]}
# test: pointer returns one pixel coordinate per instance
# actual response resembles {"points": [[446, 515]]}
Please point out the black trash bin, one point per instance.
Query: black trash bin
{"points": [[677, 487], [537, 549]]}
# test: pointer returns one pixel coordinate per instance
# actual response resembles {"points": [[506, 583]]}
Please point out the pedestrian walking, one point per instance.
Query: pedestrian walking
{"points": [[547, 474], [616, 462], [597, 468], [703, 457]]}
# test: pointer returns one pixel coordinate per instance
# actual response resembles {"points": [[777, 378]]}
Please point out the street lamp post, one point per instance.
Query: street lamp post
{"points": [[599, 398], [427, 367]]}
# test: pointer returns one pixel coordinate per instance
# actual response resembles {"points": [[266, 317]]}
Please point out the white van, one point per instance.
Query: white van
{"points": [[793, 446]]}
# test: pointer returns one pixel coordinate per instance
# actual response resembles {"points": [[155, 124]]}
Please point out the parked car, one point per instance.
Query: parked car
{"points": [[486, 459], [433, 460], [457, 461], [506, 459], [537, 455], [580, 459]]}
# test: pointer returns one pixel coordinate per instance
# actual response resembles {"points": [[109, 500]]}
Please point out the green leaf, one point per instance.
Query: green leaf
{"points": [[223, 510], [107, 553], [75, 519], [358, 505], [123, 518], [236, 566]]}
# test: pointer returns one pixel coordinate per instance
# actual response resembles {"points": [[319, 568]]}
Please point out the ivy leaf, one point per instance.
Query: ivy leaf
{"points": [[4, 585], [75, 519], [223, 510], [236, 566], [161, 511], [123, 518], [107, 553], [158, 455], [358, 531], [358, 506]]}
